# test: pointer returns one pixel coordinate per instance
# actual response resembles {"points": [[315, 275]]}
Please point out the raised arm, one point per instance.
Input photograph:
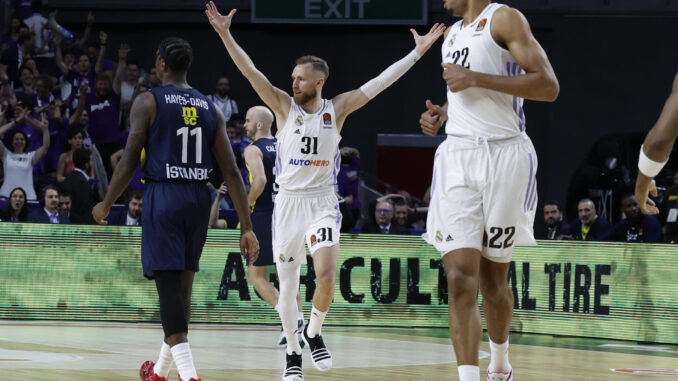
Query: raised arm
{"points": [[510, 29], [254, 159], [4, 128], [42, 126], [141, 117], [276, 99], [103, 37], [346, 103], [59, 57], [88, 30], [84, 89], [226, 160], [120, 70], [215, 222], [655, 151]]}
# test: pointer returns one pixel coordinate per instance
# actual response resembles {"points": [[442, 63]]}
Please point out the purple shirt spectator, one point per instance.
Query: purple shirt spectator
{"points": [[58, 133], [348, 180], [76, 80], [104, 118]]}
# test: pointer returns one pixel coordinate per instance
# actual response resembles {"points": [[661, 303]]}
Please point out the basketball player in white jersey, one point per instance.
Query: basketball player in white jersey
{"points": [[655, 151], [306, 208], [483, 191]]}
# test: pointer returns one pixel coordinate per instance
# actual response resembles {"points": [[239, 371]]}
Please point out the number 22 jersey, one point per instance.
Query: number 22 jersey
{"points": [[308, 149]]}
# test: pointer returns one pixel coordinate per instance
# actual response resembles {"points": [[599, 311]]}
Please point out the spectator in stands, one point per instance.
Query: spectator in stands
{"points": [[636, 227], [13, 58], [221, 201], [37, 23], [22, 8], [556, 227], [103, 105], [17, 209], [17, 163], [82, 72], [130, 82], [348, 179], [43, 95], [153, 80], [65, 204], [384, 220], [132, 215], [9, 40], [30, 124], [78, 184], [401, 215], [50, 213], [58, 130], [589, 226], [26, 82], [221, 100], [66, 164]]}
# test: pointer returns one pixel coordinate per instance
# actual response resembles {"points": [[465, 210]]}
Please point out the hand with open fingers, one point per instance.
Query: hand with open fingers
{"points": [[99, 212], [249, 246], [643, 190], [424, 43], [432, 119], [220, 23], [457, 77]]}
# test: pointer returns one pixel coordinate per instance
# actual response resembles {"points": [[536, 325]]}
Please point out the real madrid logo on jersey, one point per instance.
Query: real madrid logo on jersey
{"points": [[299, 121], [454, 37]]}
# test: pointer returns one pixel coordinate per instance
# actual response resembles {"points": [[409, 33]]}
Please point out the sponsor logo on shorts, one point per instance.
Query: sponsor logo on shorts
{"points": [[297, 131], [281, 258], [439, 236], [449, 238], [291, 259], [481, 25], [299, 121], [309, 163]]}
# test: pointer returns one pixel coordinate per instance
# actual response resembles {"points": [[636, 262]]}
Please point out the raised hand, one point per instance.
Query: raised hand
{"points": [[90, 18], [103, 37], [424, 43], [220, 23], [646, 186], [432, 119]]}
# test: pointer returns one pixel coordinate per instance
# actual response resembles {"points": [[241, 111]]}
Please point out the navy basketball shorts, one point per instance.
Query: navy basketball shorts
{"points": [[261, 225], [174, 226]]}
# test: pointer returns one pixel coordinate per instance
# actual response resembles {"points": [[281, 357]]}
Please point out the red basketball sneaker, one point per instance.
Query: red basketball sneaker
{"points": [[192, 379], [500, 376], [146, 372]]}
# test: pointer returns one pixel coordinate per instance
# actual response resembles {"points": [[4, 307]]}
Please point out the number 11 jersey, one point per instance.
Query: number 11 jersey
{"points": [[178, 147], [308, 149]]}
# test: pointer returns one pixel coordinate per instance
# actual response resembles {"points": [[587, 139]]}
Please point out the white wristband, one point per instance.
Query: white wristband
{"points": [[375, 86], [647, 166]]}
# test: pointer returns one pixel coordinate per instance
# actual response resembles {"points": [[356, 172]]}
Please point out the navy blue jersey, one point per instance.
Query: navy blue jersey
{"points": [[180, 139], [265, 200]]}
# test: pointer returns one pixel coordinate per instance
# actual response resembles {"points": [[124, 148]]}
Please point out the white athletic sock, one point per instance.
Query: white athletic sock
{"points": [[164, 363], [288, 276], [499, 356], [315, 322], [184, 360], [301, 316], [468, 373]]}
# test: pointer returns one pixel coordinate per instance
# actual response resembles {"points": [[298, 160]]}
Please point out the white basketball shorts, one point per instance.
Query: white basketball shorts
{"points": [[299, 217], [483, 196]]}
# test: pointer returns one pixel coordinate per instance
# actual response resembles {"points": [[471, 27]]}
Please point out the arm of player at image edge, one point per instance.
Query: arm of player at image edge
{"points": [[655, 151], [276, 99], [346, 103], [223, 152], [141, 116]]}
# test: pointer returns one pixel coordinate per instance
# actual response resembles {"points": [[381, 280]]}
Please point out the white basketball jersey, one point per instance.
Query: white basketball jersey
{"points": [[475, 111], [308, 149]]}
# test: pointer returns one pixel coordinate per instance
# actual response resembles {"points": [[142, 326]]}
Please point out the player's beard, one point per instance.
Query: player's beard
{"points": [[304, 98]]}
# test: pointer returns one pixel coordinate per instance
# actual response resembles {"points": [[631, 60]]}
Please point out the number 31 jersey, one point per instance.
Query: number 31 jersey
{"points": [[308, 149], [178, 147], [476, 111]]}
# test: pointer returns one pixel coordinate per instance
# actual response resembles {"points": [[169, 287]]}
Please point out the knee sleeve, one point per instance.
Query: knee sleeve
{"points": [[172, 315]]}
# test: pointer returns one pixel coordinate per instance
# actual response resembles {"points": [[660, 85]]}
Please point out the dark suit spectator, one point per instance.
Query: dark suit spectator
{"points": [[556, 227], [636, 227], [17, 210], [589, 226], [401, 215], [65, 203], [383, 214], [131, 216], [79, 186], [50, 213]]}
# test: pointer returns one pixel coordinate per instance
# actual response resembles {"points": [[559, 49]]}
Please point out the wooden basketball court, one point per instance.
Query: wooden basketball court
{"points": [[65, 351]]}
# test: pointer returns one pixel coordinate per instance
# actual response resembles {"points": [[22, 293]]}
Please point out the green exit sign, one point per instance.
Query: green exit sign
{"points": [[340, 11]]}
